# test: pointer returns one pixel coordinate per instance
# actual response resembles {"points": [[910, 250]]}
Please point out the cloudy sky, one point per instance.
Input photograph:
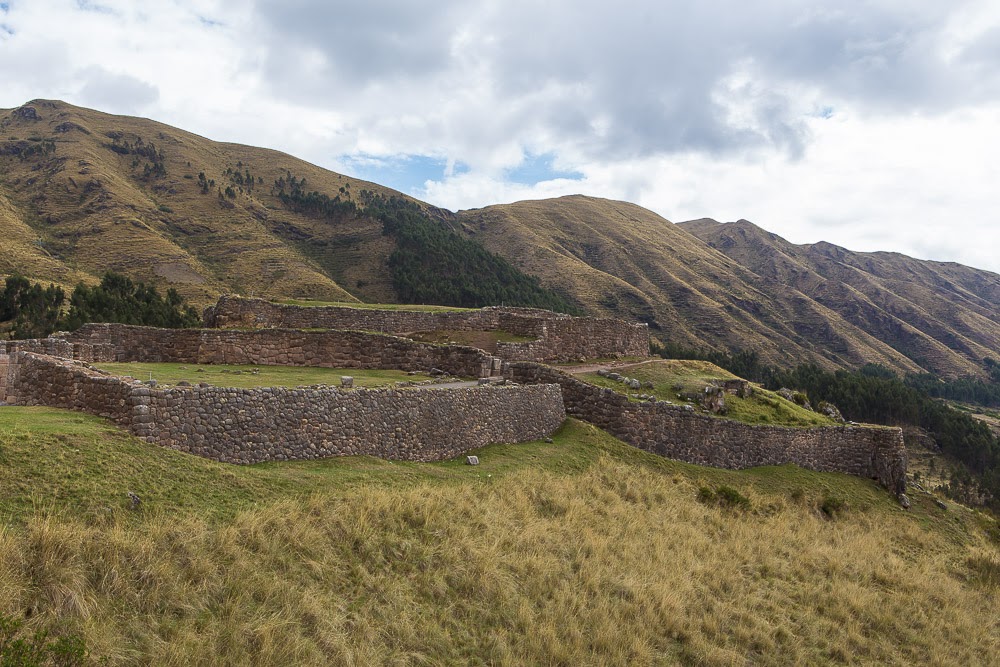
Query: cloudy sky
{"points": [[873, 125]]}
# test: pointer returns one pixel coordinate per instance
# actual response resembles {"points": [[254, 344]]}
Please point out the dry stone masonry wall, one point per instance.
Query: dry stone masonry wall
{"points": [[4, 370], [676, 432], [282, 347], [280, 424], [558, 337], [59, 347]]}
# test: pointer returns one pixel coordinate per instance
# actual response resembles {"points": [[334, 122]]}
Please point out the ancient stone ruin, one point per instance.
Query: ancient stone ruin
{"points": [[267, 424], [677, 432], [556, 337]]}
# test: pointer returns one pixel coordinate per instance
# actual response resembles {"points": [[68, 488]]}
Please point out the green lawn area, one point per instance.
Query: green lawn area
{"points": [[246, 377], [764, 407], [375, 306]]}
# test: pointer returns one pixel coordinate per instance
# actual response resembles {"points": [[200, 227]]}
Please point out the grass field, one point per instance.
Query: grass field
{"points": [[244, 377], [579, 551], [673, 378]]}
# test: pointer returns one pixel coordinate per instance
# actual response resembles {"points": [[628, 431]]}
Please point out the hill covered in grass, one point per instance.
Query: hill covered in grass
{"points": [[930, 311], [83, 192], [579, 551]]}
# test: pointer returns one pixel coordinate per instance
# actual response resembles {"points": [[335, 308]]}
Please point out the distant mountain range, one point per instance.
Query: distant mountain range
{"points": [[82, 192]]}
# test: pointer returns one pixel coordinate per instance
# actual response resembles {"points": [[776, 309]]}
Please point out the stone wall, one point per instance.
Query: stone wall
{"points": [[283, 347], [4, 369], [36, 379], [279, 424], [59, 347], [676, 432], [236, 312], [559, 337]]}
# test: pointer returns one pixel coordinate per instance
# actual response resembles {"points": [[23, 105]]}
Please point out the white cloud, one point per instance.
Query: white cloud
{"points": [[873, 126]]}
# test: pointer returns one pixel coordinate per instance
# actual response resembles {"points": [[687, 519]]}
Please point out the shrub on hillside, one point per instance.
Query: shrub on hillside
{"points": [[22, 650], [724, 496]]}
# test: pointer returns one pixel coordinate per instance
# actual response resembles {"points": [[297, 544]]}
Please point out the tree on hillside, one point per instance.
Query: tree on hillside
{"points": [[34, 310], [119, 299]]}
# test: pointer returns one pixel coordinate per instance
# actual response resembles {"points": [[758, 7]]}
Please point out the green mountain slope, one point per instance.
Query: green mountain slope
{"points": [[80, 185]]}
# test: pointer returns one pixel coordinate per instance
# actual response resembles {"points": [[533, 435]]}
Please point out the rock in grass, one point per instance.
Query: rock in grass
{"points": [[471, 460]]}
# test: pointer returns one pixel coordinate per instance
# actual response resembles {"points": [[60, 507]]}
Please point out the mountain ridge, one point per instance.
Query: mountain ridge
{"points": [[909, 303], [82, 192]]}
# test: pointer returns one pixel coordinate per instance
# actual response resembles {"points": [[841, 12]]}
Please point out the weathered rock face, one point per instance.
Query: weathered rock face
{"points": [[713, 399], [559, 337], [675, 432], [738, 387], [279, 424]]}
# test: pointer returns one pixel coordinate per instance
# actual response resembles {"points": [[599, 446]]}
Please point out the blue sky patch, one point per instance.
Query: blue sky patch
{"points": [[538, 168], [406, 173], [825, 112]]}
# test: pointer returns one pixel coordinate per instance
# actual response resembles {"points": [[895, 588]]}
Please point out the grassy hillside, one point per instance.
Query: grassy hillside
{"points": [[582, 551], [622, 260], [91, 206], [84, 192], [678, 381]]}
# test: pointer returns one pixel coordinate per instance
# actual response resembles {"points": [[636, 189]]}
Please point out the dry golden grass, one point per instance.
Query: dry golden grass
{"points": [[616, 563]]}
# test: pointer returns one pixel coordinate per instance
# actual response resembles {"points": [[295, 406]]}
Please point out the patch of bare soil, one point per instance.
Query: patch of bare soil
{"points": [[178, 272]]}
